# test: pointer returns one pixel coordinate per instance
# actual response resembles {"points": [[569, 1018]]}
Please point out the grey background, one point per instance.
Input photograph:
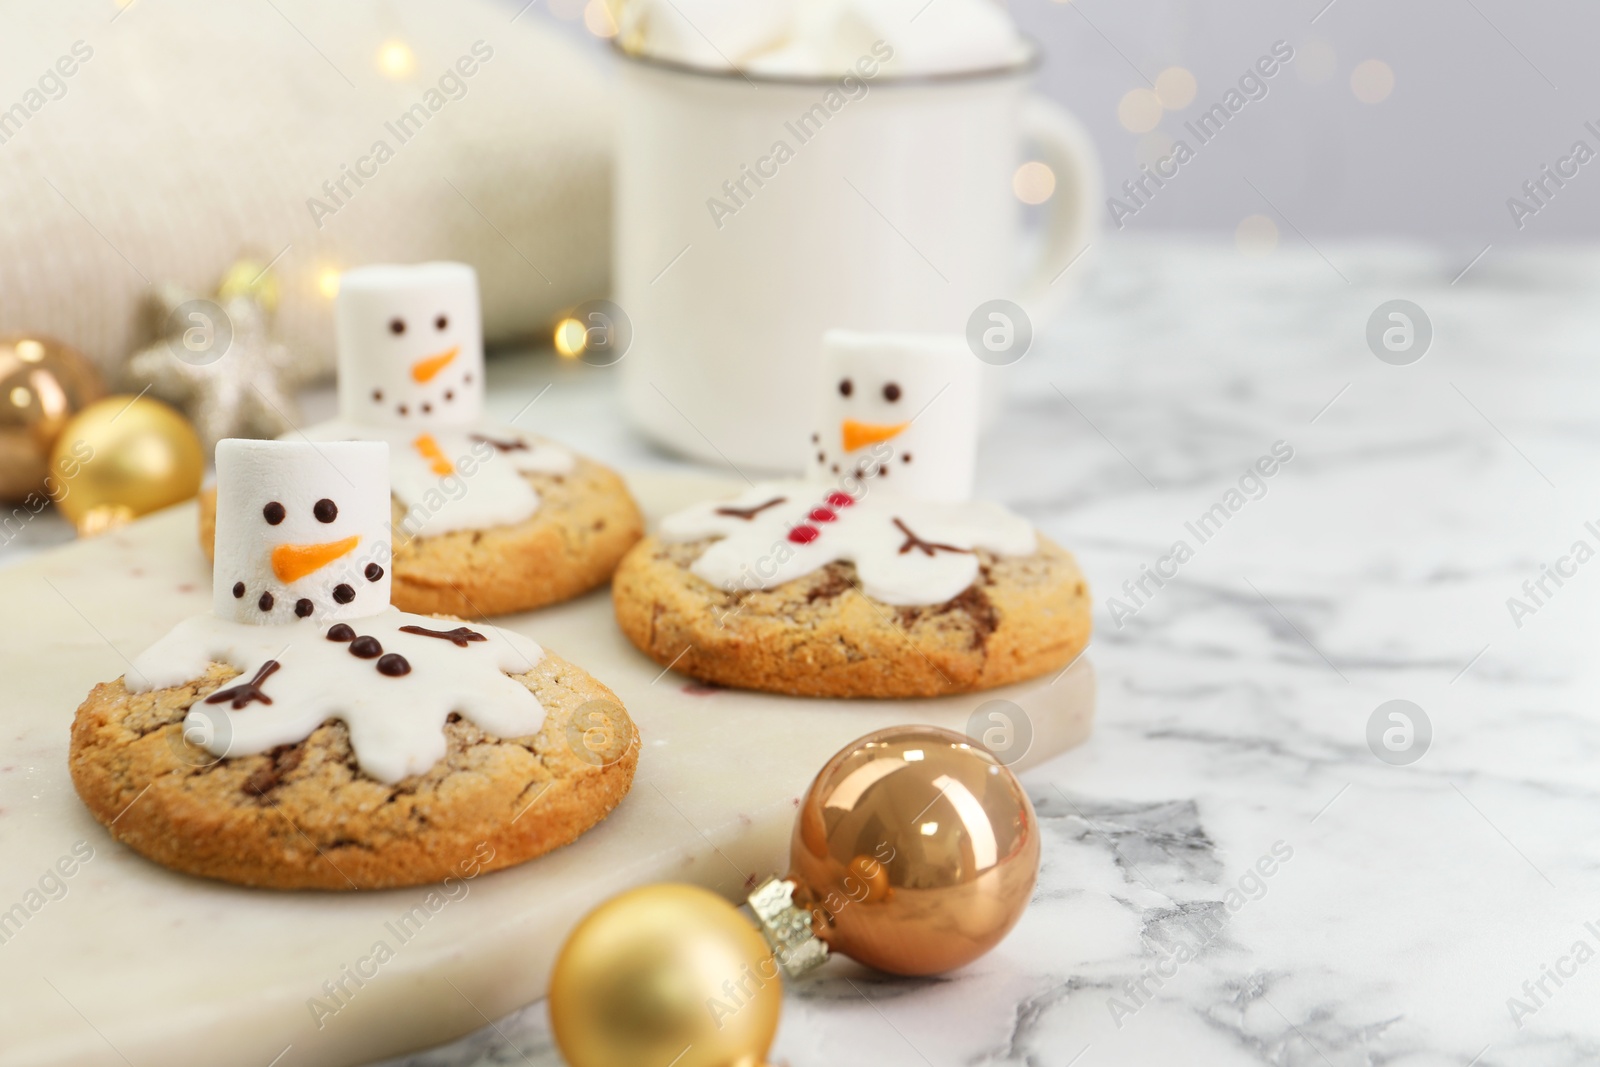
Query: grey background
{"points": [[1486, 91]]}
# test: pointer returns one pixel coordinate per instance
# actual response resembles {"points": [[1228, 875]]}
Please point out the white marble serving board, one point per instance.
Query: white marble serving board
{"points": [[126, 963]]}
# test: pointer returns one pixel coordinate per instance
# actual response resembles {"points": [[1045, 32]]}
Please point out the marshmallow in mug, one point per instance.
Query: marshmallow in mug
{"points": [[830, 37], [823, 38], [905, 405], [665, 29], [302, 530], [410, 345]]}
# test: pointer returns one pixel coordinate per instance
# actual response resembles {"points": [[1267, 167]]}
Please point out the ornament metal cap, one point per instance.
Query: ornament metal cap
{"points": [[787, 927]]}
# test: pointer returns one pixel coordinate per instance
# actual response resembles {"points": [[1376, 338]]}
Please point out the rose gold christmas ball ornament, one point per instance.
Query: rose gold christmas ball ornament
{"points": [[915, 852], [43, 383]]}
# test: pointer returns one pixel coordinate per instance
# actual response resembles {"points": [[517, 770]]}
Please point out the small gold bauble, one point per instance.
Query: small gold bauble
{"points": [[665, 974], [915, 851], [124, 456], [43, 383], [252, 279]]}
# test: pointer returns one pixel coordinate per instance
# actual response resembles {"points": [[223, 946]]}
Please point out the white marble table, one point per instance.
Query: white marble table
{"points": [[1414, 900], [1234, 704]]}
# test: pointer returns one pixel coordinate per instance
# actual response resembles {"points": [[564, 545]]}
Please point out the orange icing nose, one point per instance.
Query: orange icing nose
{"points": [[293, 562], [423, 370], [860, 434], [429, 449]]}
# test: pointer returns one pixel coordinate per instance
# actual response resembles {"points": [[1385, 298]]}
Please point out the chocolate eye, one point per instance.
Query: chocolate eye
{"points": [[845, 387], [325, 510], [891, 392], [377, 396], [397, 326], [441, 322], [273, 513]]}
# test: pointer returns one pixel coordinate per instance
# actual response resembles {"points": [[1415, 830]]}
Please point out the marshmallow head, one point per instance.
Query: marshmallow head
{"points": [[903, 404], [302, 530], [410, 345]]}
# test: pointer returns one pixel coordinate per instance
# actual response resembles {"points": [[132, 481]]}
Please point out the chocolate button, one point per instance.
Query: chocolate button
{"points": [[366, 648], [394, 665]]}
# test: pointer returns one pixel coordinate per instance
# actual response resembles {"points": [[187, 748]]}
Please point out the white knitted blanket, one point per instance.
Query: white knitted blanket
{"points": [[159, 142]]}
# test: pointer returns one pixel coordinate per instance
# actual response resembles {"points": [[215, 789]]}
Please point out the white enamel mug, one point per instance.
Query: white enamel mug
{"points": [[755, 213]]}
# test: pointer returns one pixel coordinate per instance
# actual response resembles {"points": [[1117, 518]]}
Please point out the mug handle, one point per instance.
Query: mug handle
{"points": [[1072, 221]]}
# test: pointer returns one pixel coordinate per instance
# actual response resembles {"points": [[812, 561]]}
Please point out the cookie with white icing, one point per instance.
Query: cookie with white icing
{"points": [[884, 580], [306, 735], [488, 518]]}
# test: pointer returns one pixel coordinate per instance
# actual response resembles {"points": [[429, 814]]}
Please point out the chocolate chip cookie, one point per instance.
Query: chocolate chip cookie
{"points": [[304, 816], [820, 635]]}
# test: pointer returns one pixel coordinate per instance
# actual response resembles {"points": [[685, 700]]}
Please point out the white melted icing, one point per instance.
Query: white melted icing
{"points": [[906, 551], [483, 487], [396, 723]]}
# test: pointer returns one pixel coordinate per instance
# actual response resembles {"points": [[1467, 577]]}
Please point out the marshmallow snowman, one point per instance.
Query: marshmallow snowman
{"points": [[410, 345], [302, 530], [905, 405], [411, 376], [300, 608]]}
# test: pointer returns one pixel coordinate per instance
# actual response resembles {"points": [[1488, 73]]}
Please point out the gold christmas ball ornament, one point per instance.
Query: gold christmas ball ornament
{"points": [[665, 974], [43, 383], [250, 278], [915, 852], [123, 457]]}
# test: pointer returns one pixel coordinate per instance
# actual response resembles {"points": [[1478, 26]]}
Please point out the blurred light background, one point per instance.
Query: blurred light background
{"points": [[1414, 120]]}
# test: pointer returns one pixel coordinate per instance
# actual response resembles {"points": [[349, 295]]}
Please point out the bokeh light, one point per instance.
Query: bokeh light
{"points": [[1139, 111], [396, 60], [328, 282], [1175, 88], [1372, 81], [597, 18], [1256, 235], [1033, 182], [570, 338]]}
